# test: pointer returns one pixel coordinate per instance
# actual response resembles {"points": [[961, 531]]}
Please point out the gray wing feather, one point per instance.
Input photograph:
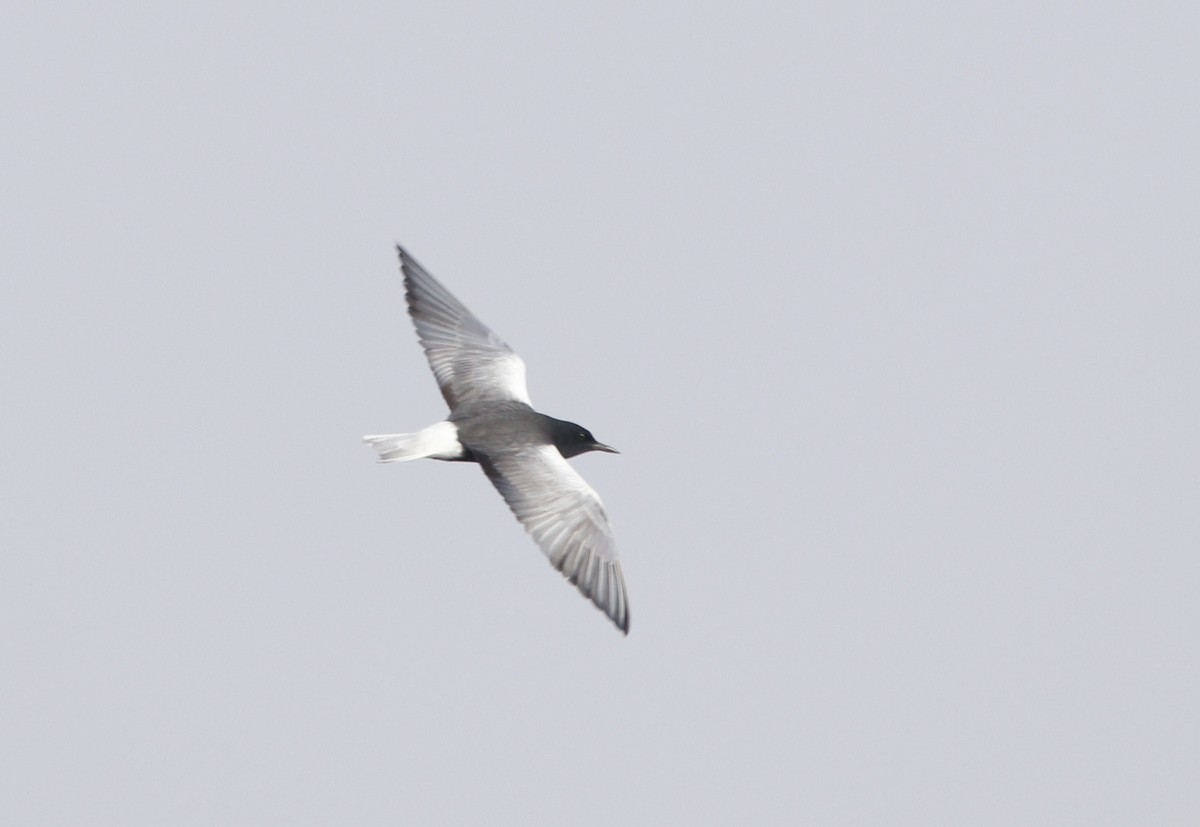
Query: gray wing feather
{"points": [[470, 362], [567, 520]]}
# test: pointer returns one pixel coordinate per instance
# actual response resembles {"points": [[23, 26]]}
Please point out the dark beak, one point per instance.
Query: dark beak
{"points": [[608, 449]]}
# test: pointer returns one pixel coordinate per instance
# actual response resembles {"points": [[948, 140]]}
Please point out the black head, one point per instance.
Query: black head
{"points": [[571, 439]]}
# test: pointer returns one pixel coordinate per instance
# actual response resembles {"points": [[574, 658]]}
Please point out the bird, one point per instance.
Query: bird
{"points": [[524, 453]]}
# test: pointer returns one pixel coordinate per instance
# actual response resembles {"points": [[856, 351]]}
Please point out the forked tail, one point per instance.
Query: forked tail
{"points": [[438, 441]]}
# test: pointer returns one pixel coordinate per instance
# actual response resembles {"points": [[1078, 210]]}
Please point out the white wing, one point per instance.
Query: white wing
{"points": [[470, 362], [566, 518]]}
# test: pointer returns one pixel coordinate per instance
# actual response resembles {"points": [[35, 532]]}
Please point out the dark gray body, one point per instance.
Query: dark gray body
{"points": [[486, 428]]}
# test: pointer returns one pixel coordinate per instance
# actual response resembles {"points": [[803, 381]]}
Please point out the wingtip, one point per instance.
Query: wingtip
{"points": [[612, 599], [412, 269], [603, 584], [621, 621]]}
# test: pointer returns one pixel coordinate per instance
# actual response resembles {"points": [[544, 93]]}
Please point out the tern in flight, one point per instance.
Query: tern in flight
{"points": [[524, 453]]}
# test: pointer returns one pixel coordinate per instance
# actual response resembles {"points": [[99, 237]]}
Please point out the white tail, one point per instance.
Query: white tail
{"points": [[438, 441]]}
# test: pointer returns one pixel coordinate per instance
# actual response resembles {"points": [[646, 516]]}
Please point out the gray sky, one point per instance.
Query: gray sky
{"points": [[892, 313]]}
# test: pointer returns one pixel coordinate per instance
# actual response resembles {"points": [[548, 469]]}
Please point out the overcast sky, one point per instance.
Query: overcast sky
{"points": [[891, 311]]}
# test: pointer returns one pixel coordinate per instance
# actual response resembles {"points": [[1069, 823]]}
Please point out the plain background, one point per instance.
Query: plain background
{"points": [[891, 310]]}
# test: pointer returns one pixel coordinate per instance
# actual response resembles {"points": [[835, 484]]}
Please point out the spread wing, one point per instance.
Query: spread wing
{"points": [[470, 362], [566, 518]]}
